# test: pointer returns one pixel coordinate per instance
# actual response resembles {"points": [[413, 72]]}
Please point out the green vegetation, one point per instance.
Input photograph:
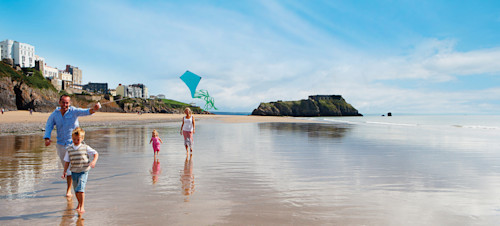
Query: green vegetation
{"points": [[7, 71], [174, 104], [331, 107], [155, 105], [128, 100], [36, 80], [63, 92], [307, 108]]}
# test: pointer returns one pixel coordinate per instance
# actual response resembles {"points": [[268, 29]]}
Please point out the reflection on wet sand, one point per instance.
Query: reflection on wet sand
{"points": [[156, 170], [119, 140], [187, 177], [80, 221], [23, 159], [312, 129], [68, 216]]}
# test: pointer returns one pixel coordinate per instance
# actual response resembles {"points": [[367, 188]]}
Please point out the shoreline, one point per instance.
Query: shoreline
{"points": [[21, 122]]}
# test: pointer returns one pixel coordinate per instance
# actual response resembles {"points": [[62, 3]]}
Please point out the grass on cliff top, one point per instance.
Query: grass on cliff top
{"points": [[7, 71], [180, 105], [174, 103], [168, 103], [36, 80]]}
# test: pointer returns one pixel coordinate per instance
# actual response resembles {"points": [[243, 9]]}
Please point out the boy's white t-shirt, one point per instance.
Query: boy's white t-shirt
{"points": [[90, 152]]}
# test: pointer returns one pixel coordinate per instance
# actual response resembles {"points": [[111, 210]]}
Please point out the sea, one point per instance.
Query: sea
{"points": [[230, 113], [371, 170]]}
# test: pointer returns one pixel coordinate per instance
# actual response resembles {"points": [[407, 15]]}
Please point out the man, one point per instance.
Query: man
{"points": [[65, 118]]}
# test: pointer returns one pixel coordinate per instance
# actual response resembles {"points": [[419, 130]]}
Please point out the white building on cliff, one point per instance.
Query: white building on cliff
{"points": [[50, 72], [65, 76], [21, 53], [132, 91]]}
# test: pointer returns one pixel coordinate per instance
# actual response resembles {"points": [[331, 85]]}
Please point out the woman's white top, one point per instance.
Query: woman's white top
{"points": [[188, 124]]}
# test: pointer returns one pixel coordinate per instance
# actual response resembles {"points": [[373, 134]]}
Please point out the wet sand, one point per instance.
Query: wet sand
{"points": [[266, 173]]}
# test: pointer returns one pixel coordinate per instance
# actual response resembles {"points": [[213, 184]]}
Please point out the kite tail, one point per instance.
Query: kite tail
{"points": [[209, 101]]}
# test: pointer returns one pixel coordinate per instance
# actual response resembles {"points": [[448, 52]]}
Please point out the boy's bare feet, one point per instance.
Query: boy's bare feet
{"points": [[80, 210]]}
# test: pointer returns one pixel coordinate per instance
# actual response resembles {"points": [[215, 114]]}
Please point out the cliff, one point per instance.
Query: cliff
{"points": [[132, 105], [157, 106], [319, 105], [20, 92]]}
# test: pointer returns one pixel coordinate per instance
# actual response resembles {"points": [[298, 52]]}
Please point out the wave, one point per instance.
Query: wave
{"points": [[392, 123], [481, 127], [420, 121], [334, 120], [361, 122]]}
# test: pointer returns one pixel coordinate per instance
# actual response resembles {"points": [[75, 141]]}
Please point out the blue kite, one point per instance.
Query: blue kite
{"points": [[192, 80]]}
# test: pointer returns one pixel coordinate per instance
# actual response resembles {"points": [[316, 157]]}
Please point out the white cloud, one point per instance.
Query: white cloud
{"points": [[246, 60], [484, 61]]}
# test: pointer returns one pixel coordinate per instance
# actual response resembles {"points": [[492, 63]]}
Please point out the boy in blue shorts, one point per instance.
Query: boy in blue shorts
{"points": [[78, 155]]}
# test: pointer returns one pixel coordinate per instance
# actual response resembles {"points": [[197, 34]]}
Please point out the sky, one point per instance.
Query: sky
{"points": [[406, 57]]}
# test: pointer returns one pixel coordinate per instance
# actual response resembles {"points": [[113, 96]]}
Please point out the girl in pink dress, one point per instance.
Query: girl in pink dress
{"points": [[156, 142]]}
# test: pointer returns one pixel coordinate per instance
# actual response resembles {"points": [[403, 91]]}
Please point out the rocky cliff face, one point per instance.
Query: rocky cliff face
{"points": [[334, 106], [88, 101], [7, 94], [154, 106], [15, 95]]}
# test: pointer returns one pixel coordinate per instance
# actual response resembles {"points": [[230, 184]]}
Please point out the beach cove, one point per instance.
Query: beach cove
{"points": [[22, 122], [265, 171]]}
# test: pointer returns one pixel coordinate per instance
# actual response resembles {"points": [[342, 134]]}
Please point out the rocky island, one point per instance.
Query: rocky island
{"points": [[318, 105]]}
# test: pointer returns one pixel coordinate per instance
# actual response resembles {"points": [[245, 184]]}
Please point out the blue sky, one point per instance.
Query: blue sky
{"points": [[427, 57]]}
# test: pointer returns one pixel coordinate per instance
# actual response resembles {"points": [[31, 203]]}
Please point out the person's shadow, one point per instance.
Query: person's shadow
{"points": [[155, 170], [187, 178]]}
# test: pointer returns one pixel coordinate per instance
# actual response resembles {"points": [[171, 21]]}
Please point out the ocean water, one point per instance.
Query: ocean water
{"points": [[400, 170], [429, 121], [231, 113]]}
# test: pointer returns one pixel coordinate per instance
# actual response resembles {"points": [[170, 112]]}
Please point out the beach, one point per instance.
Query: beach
{"points": [[248, 170], [22, 122]]}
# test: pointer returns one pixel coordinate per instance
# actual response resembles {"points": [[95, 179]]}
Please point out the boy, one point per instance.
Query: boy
{"points": [[78, 155]]}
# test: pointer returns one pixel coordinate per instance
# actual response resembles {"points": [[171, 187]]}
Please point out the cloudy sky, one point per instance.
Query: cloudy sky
{"points": [[422, 57]]}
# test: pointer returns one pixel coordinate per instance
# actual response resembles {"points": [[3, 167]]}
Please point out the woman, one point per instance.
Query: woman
{"points": [[187, 129]]}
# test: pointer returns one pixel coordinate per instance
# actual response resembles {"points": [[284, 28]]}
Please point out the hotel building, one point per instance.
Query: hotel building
{"points": [[21, 53]]}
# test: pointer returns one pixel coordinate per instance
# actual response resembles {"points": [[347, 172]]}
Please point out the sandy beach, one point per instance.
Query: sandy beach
{"points": [[21, 122], [246, 171]]}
